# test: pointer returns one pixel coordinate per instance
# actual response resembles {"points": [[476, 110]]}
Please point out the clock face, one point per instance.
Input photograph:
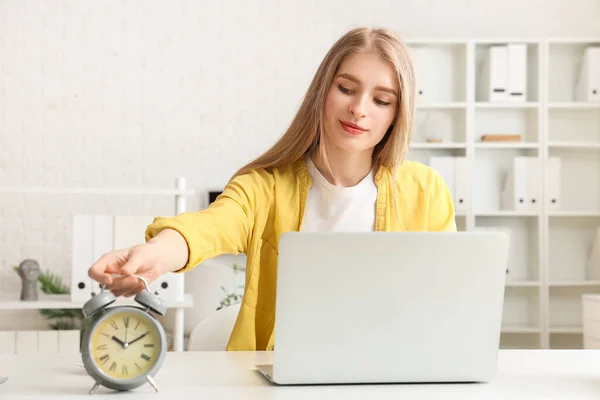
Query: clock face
{"points": [[125, 345]]}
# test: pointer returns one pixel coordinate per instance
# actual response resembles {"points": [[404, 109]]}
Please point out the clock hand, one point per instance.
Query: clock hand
{"points": [[116, 339], [138, 338]]}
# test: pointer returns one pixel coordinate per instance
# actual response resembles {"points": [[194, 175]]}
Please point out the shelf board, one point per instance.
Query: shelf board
{"points": [[573, 283], [435, 41], [568, 330], [523, 284], [520, 329], [507, 213], [99, 191], [574, 105], [64, 301], [421, 145], [506, 145], [506, 40], [564, 214], [567, 40], [574, 145], [441, 105], [508, 105]]}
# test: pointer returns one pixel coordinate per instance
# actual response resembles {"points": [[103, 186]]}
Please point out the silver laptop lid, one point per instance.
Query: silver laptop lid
{"points": [[389, 307]]}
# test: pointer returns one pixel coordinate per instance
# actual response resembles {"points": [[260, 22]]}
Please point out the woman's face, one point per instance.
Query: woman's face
{"points": [[361, 103]]}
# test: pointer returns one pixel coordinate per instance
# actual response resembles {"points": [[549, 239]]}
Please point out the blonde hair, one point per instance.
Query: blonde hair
{"points": [[305, 132]]}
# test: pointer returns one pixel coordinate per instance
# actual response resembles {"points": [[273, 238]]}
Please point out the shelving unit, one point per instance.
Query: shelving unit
{"points": [[550, 243], [179, 194]]}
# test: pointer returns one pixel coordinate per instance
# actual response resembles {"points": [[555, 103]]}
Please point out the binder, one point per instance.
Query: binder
{"points": [[553, 171], [455, 172], [420, 66], [514, 193], [588, 81], [495, 75], [103, 240], [82, 257], [461, 184], [534, 186], [517, 76], [444, 165]]}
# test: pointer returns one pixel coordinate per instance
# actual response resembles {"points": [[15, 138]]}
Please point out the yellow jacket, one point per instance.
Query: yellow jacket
{"points": [[257, 207]]}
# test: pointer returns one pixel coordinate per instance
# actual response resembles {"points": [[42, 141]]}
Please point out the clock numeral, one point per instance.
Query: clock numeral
{"points": [[136, 364], [136, 326], [106, 334], [149, 345], [145, 357], [104, 358], [114, 325], [113, 366], [102, 347], [124, 370], [126, 322]]}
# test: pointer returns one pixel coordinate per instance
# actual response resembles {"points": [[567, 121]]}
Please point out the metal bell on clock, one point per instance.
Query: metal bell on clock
{"points": [[98, 302], [150, 300]]}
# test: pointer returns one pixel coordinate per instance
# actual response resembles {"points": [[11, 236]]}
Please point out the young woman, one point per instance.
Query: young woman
{"points": [[339, 167]]}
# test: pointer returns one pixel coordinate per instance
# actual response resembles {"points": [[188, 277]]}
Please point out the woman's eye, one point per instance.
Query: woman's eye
{"points": [[381, 102], [344, 90]]}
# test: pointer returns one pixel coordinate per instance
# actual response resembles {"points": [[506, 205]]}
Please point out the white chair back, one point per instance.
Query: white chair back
{"points": [[213, 331]]}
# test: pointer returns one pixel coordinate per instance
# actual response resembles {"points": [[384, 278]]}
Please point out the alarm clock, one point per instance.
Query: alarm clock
{"points": [[123, 346]]}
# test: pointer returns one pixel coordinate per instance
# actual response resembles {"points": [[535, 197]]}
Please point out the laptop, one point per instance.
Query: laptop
{"points": [[388, 307]]}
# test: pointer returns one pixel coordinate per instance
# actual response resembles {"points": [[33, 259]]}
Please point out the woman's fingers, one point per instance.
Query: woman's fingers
{"points": [[122, 284], [109, 264]]}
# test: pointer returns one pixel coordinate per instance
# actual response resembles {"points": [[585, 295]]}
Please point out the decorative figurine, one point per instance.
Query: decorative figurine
{"points": [[29, 271]]}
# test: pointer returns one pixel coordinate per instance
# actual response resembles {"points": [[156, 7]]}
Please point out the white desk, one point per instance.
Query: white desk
{"points": [[523, 374]]}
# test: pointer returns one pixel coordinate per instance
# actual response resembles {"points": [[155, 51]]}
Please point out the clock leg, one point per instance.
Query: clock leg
{"points": [[149, 378], [95, 387]]}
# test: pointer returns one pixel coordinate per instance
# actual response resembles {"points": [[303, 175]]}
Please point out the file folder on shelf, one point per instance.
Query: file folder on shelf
{"points": [[96, 235], [534, 184], [455, 172], [82, 257], [130, 231], [588, 80], [515, 193], [553, 171], [421, 65], [494, 75], [517, 76]]}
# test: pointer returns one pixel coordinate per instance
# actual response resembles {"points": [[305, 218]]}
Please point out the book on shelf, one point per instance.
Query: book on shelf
{"points": [[501, 137]]}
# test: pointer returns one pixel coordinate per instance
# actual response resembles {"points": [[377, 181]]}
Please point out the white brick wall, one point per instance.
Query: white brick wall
{"points": [[135, 93]]}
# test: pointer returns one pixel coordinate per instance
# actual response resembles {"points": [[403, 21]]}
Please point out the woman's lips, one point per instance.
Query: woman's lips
{"points": [[352, 128]]}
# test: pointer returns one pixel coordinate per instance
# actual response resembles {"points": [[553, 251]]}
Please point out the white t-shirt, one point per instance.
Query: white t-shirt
{"points": [[331, 208]]}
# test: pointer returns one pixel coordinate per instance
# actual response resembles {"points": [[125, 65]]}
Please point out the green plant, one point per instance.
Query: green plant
{"points": [[58, 319], [233, 297]]}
